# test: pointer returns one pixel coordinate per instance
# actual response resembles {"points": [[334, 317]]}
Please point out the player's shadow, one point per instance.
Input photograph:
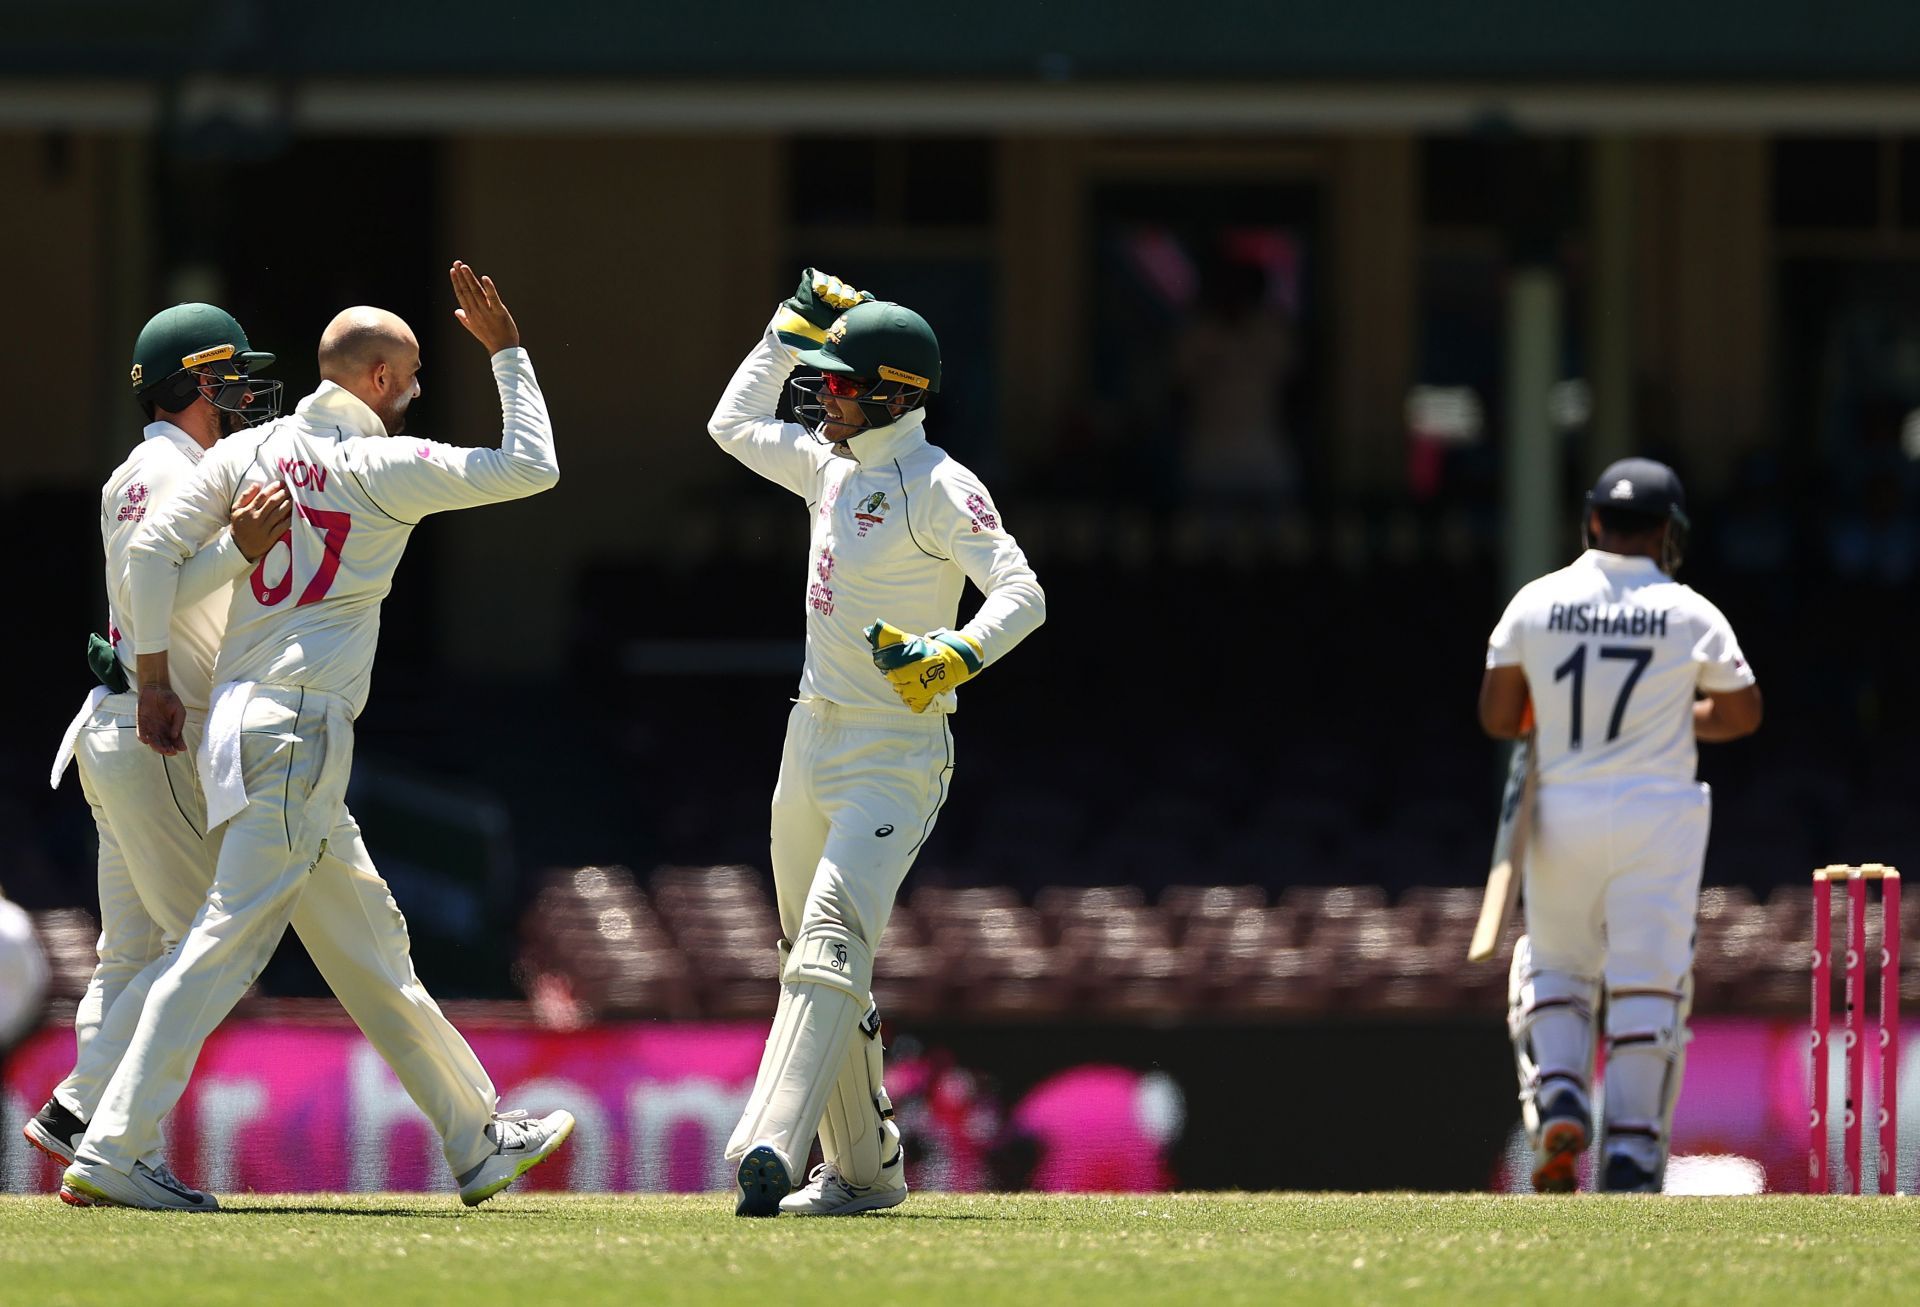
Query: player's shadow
{"points": [[432, 1213], [964, 1218]]}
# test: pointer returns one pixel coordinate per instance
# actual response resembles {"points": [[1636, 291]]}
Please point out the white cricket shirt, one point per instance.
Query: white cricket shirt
{"points": [[309, 613], [898, 530], [152, 474], [1614, 650]]}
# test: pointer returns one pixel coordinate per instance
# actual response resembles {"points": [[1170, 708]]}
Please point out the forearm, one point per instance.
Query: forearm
{"points": [[526, 435], [213, 568], [1014, 608], [151, 669], [153, 576], [752, 394], [1716, 722]]}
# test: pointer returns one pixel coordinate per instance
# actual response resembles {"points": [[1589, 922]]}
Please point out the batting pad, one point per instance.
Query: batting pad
{"points": [[741, 1140], [1646, 1060], [824, 993], [1550, 1020], [857, 1134]]}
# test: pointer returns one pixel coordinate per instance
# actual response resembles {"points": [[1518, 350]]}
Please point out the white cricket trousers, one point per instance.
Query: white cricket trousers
{"points": [[858, 794], [1613, 880], [173, 963]]}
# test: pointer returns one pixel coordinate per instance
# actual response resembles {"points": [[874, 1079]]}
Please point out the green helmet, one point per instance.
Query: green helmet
{"points": [[189, 345], [888, 347]]}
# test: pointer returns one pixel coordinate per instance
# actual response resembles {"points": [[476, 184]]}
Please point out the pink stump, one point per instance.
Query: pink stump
{"points": [[1855, 1049], [1890, 1034], [1818, 1181]]}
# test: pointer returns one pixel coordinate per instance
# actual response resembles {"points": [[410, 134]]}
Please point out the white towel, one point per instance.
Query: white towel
{"points": [[72, 737], [220, 771]]}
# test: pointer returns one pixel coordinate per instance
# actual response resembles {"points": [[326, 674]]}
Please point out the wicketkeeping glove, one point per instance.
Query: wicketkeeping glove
{"points": [[922, 666], [806, 314], [105, 664]]}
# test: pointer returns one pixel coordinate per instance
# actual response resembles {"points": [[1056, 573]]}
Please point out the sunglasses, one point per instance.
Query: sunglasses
{"points": [[843, 387]]}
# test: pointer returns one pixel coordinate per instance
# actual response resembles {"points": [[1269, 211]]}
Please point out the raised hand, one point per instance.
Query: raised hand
{"points": [[481, 311], [813, 307]]}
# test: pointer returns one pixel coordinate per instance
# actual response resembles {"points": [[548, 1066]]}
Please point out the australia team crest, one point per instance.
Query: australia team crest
{"points": [[872, 512]]}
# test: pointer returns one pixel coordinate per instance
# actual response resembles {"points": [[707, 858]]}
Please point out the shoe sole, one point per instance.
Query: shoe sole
{"points": [[763, 1183], [525, 1165], [1563, 1142], [78, 1193], [870, 1203], [47, 1142]]}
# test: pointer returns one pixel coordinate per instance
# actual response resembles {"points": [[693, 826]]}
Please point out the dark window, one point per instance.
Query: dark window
{"points": [[910, 181], [949, 182], [1827, 183], [1910, 182], [835, 181], [1508, 183]]}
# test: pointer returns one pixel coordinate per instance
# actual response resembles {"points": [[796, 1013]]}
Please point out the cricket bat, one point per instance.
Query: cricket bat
{"points": [[1509, 853]]}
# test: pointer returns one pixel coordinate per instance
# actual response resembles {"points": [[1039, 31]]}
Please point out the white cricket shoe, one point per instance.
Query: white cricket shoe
{"points": [[828, 1193], [519, 1145], [152, 1188]]}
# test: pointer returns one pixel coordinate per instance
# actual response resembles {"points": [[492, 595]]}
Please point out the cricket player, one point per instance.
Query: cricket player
{"points": [[1625, 670], [195, 376], [193, 364], [898, 529], [292, 674]]}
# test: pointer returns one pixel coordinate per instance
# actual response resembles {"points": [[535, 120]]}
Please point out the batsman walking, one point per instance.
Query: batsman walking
{"points": [[1626, 670], [898, 529]]}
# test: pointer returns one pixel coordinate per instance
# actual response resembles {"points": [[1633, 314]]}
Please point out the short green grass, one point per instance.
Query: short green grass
{"points": [[333, 1250]]}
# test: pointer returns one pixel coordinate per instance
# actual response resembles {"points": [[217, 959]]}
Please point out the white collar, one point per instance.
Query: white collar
{"points": [[335, 406], [180, 440], [1620, 562], [883, 444]]}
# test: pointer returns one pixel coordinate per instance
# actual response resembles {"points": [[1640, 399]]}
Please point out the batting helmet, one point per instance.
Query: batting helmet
{"points": [[887, 350], [1642, 488], [190, 345]]}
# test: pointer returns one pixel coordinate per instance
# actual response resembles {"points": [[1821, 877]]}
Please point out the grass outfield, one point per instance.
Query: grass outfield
{"points": [[330, 1250]]}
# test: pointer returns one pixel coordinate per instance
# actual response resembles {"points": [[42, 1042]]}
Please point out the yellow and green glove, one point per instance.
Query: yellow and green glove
{"points": [[805, 315], [922, 666]]}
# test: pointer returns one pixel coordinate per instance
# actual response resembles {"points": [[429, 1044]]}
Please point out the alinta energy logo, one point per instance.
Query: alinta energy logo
{"points": [[135, 508]]}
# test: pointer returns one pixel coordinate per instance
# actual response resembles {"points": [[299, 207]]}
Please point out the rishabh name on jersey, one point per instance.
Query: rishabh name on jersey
{"points": [[1614, 651]]}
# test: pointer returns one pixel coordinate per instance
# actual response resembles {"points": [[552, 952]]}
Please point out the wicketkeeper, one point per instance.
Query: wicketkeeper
{"points": [[898, 529]]}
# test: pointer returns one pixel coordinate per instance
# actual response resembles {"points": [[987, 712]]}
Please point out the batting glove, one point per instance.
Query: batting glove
{"points": [[806, 314], [922, 666]]}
